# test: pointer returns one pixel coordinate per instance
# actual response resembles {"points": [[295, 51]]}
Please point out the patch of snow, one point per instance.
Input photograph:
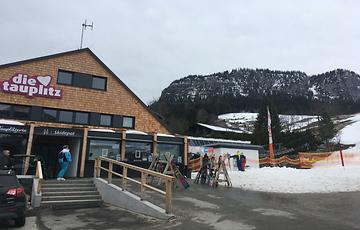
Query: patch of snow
{"points": [[218, 140], [350, 134], [10, 122], [313, 90], [220, 129], [290, 180], [102, 130], [164, 135], [131, 131]]}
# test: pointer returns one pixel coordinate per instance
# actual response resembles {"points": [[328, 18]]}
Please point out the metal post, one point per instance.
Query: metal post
{"points": [[342, 159]]}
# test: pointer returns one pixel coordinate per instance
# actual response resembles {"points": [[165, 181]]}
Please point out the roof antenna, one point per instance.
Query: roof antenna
{"points": [[84, 25]]}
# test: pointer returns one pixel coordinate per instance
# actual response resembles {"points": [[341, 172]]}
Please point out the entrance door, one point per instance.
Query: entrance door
{"points": [[47, 148]]}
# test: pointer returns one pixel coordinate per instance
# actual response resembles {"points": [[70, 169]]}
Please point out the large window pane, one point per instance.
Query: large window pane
{"points": [[49, 114], [5, 110], [172, 149], [65, 77], [110, 149], [21, 112], [99, 83], [81, 118], [138, 151], [82, 80], [105, 120], [66, 116], [128, 122]]}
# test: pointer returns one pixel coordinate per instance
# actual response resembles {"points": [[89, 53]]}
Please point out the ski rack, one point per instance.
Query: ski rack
{"points": [[210, 174]]}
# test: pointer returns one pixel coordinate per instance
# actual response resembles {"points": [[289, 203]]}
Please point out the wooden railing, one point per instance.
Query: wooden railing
{"points": [[168, 180], [39, 176]]}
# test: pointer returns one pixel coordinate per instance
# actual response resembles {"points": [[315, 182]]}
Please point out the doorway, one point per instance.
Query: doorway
{"points": [[47, 148]]}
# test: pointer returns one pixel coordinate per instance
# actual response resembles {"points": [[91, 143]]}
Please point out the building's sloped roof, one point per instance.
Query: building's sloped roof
{"points": [[99, 61]]}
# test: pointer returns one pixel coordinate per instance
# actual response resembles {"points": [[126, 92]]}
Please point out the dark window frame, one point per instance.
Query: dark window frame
{"points": [[10, 115], [41, 116], [133, 122], [66, 122], [111, 120], [46, 120], [105, 86], [72, 77], [76, 74], [88, 118]]}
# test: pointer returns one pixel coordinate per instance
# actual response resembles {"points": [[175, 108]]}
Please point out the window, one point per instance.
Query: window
{"points": [[21, 112], [66, 116], [99, 83], [138, 151], [65, 78], [50, 115], [5, 110], [162, 149], [128, 122], [81, 80], [110, 149], [105, 120], [81, 118]]}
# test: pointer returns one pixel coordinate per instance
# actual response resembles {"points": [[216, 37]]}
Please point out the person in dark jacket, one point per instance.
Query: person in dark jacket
{"points": [[242, 161], [5, 162]]}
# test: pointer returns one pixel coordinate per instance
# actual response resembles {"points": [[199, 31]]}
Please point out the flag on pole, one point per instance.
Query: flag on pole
{"points": [[271, 148]]}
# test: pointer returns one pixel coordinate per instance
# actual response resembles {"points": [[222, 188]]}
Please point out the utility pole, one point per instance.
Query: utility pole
{"points": [[84, 25]]}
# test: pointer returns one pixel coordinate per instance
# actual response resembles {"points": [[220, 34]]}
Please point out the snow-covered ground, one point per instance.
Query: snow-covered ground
{"points": [[326, 177], [290, 180]]}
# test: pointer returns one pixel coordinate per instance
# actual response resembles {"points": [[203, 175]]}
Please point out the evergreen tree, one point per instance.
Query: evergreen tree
{"points": [[326, 128], [260, 135]]}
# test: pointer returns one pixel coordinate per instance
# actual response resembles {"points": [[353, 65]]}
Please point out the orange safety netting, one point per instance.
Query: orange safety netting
{"points": [[280, 160]]}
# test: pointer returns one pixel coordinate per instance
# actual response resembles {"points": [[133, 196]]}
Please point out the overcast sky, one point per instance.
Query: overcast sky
{"points": [[149, 43]]}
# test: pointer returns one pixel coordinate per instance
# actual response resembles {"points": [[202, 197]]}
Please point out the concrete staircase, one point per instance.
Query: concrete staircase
{"points": [[72, 193]]}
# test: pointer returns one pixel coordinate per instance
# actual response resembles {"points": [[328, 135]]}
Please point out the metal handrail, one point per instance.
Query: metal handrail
{"points": [[144, 173]]}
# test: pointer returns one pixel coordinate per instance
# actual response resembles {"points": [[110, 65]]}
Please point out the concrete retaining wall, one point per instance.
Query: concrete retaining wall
{"points": [[114, 195]]}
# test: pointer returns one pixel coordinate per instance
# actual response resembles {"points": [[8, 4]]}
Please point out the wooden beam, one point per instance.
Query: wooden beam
{"points": [[28, 148], [123, 144], [83, 152], [186, 151], [154, 145]]}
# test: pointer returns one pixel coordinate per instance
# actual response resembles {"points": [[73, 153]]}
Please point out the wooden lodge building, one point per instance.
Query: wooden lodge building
{"points": [[73, 98]]}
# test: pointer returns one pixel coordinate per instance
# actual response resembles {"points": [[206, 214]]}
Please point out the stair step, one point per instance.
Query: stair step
{"points": [[62, 189], [69, 181], [66, 185], [72, 204], [71, 197], [70, 193]]}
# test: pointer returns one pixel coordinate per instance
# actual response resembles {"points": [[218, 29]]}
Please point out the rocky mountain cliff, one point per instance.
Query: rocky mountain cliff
{"points": [[337, 84], [198, 98]]}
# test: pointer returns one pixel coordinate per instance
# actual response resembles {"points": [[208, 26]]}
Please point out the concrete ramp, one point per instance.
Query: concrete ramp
{"points": [[114, 195]]}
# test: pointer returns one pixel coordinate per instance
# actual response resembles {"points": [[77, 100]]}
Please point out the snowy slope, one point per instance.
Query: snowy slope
{"points": [[245, 121]]}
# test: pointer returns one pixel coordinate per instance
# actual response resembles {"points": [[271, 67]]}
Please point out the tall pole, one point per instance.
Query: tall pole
{"points": [[84, 25], [271, 148]]}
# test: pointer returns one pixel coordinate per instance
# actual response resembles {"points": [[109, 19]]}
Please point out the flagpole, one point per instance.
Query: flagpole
{"points": [[271, 148]]}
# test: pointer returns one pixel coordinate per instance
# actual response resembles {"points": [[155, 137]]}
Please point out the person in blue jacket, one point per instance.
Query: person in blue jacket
{"points": [[64, 161]]}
